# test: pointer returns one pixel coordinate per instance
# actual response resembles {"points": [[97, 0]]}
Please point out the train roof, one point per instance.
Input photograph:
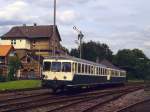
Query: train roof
{"points": [[110, 65], [75, 59], [82, 61]]}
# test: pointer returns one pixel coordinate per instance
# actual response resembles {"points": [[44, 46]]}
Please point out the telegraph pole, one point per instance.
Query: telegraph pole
{"points": [[80, 38], [54, 27], [54, 12]]}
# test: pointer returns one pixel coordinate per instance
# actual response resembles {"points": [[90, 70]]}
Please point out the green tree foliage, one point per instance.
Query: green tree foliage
{"points": [[75, 52], [2, 78], [14, 64], [93, 51], [65, 49], [134, 61]]}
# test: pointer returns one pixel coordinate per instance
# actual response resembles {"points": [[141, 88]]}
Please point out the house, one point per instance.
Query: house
{"points": [[6, 51], [31, 66], [38, 39]]}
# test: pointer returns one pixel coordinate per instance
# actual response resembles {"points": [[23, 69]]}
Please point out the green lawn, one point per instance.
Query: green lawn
{"points": [[136, 81], [21, 84]]}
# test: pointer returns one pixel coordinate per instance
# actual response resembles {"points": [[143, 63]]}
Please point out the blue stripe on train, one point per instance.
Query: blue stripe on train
{"points": [[83, 79]]}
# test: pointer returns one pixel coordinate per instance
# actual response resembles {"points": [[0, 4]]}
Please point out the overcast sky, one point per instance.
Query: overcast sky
{"points": [[118, 23]]}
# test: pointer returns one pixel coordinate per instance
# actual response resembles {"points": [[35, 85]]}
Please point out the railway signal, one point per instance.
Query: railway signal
{"points": [[80, 38]]}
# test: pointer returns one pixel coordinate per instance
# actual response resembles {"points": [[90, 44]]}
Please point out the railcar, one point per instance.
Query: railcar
{"points": [[60, 72]]}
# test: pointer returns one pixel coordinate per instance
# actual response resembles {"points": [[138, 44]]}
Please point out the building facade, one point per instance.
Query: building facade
{"points": [[6, 51], [43, 40], [32, 42], [31, 67]]}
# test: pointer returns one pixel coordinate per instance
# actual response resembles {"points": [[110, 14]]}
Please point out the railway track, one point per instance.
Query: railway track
{"points": [[132, 106], [22, 95], [88, 105], [56, 102]]}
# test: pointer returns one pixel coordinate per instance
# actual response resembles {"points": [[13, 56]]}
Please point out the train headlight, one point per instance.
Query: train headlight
{"points": [[65, 77], [44, 76]]}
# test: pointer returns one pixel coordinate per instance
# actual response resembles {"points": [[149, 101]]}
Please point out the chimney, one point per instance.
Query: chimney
{"points": [[24, 24], [35, 24]]}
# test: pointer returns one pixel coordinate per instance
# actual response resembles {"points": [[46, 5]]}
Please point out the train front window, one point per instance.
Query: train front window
{"points": [[47, 66], [66, 67], [56, 67]]}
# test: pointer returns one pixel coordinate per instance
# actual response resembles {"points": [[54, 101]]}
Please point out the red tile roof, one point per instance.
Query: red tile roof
{"points": [[31, 32], [5, 49]]}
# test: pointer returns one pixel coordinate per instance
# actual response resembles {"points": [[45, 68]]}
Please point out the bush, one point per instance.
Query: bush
{"points": [[14, 65], [2, 78]]}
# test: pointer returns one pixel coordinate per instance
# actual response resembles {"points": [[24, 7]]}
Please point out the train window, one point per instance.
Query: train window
{"points": [[102, 71], [97, 70], [82, 68], [76, 67], [86, 69], [92, 70], [56, 66], [79, 68], [66, 67], [89, 70], [105, 71], [117, 73], [113, 73], [73, 67], [47, 66]]}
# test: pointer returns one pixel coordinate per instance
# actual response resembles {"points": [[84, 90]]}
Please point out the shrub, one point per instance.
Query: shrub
{"points": [[2, 78]]}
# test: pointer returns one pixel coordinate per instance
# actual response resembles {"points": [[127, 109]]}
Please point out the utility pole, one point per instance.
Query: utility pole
{"points": [[54, 30], [80, 38], [54, 27], [54, 12]]}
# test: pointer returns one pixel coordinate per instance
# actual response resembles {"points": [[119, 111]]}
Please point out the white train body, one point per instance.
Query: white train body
{"points": [[59, 72]]}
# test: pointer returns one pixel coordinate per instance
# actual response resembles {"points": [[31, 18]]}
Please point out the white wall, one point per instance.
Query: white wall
{"points": [[20, 43]]}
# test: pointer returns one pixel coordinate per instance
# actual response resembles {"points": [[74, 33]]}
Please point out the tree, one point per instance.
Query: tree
{"points": [[75, 52], [65, 50], [134, 61], [13, 65], [93, 51]]}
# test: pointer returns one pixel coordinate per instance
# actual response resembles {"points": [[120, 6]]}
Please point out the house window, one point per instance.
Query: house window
{"points": [[28, 60], [13, 42]]}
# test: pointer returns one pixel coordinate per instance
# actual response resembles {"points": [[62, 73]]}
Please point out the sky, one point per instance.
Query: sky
{"points": [[121, 24]]}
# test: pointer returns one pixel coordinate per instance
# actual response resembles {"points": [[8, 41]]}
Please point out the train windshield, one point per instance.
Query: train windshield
{"points": [[47, 66], [66, 67], [56, 66]]}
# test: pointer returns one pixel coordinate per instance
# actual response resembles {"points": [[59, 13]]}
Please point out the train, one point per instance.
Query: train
{"points": [[59, 72]]}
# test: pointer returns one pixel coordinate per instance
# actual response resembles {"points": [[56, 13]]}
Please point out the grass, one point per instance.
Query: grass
{"points": [[136, 81], [21, 84]]}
